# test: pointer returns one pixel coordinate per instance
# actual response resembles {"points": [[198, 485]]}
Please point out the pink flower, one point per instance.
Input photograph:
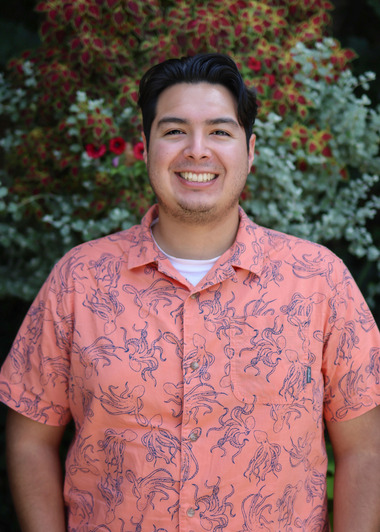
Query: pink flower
{"points": [[138, 151], [94, 151], [117, 145]]}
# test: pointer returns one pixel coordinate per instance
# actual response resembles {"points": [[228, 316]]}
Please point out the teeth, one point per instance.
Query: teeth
{"points": [[198, 178]]}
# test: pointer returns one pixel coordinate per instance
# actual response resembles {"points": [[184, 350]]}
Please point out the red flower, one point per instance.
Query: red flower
{"points": [[349, 54], [312, 147], [254, 64], [138, 151], [95, 152], [344, 174], [327, 151], [302, 165], [278, 94], [259, 88], [117, 145], [270, 80]]}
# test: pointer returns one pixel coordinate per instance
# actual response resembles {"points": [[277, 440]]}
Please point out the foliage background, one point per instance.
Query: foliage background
{"points": [[355, 24]]}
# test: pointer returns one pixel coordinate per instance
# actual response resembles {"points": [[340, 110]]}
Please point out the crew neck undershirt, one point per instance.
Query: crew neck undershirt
{"points": [[191, 269]]}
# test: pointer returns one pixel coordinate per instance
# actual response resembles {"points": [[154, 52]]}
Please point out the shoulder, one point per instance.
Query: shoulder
{"points": [[114, 244], [81, 265], [276, 245]]}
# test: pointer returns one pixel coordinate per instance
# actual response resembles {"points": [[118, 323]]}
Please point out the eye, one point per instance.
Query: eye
{"points": [[221, 133], [174, 132]]}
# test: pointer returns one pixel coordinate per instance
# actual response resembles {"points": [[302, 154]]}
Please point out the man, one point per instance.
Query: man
{"points": [[199, 354]]}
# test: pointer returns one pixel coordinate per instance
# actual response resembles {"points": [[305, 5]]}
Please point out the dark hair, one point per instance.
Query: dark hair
{"points": [[211, 68]]}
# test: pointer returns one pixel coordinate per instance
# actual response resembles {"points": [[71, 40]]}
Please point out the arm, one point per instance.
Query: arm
{"points": [[35, 474], [356, 446]]}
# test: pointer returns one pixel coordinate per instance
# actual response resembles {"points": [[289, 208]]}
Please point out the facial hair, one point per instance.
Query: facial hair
{"points": [[198, 214]]}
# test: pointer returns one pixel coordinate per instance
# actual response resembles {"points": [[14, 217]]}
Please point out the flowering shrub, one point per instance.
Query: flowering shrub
{"points": [[72, 148]]}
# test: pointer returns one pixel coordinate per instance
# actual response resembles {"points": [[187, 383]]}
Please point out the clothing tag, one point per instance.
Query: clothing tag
{"points": [[308, 374]]}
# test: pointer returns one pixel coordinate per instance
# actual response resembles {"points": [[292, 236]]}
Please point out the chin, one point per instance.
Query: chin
{"points": [[190, 213]]}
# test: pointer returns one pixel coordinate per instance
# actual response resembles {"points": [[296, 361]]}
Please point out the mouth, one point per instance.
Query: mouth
{"points": [[192, 177]]}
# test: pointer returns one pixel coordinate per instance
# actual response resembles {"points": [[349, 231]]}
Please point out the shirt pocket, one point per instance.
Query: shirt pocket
{"points": [[273, 367]]}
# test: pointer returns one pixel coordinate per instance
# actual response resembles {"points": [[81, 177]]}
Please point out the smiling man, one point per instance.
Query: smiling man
{"points": [[200, 355], [197, 158], [198, 163]]}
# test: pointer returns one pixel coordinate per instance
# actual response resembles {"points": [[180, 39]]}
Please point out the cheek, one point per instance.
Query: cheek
{"points": [[160, 156]]}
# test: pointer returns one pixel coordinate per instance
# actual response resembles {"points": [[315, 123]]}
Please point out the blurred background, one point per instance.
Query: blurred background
{"points": [[355, 24]]}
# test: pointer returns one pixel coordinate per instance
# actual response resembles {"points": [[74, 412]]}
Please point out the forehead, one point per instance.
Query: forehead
{"points": [[196, 100]]}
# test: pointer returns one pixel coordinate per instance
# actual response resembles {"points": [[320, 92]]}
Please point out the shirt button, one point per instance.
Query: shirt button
{"points": [[195, 295], [194, 365], [190, 512], [193, 436]]}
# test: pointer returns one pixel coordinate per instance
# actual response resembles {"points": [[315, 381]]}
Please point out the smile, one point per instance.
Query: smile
{"points": [[197, 178]]}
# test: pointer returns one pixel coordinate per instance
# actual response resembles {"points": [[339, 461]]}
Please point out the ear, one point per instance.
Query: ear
{"points": [[145, 154], [251, 150]]}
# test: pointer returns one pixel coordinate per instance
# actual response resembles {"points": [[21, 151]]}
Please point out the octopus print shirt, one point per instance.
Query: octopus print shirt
{"points": [[196, 408]]}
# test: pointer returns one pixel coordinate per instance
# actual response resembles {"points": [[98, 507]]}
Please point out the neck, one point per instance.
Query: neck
{"points": [[184, 240]]}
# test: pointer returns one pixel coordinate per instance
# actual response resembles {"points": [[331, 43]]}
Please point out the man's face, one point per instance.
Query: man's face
{"points": [[197, 158]]}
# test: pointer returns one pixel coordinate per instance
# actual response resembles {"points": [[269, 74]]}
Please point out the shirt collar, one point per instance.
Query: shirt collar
{"points": [[246, 252], [143, 249]]}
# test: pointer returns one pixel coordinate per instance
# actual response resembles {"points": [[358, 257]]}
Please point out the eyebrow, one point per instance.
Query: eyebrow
{"points": [[210, 122]]}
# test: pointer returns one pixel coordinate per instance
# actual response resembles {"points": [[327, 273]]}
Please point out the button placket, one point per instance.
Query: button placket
{"points": [[190, 431]]}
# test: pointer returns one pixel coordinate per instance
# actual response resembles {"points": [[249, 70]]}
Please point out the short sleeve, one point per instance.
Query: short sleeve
{"points": [[351, 360], [35, 375]]}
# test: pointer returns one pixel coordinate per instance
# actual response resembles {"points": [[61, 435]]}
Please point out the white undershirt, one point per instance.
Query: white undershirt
{"points": [[190, 269]]}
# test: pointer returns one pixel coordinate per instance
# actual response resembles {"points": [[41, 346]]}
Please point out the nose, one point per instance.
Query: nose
{"points": [[197, 147]]}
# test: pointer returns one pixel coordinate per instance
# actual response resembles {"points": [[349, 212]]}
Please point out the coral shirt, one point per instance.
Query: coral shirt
{"points": [[196, 408]]}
